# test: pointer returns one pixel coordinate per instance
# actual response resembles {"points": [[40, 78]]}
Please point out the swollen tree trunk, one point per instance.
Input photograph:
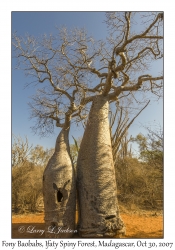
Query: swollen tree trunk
{"points": [[99, 214], [59, 191]]}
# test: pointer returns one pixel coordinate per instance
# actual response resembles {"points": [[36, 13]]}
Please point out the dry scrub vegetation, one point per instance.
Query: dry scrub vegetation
{"points": [[139, 182]]}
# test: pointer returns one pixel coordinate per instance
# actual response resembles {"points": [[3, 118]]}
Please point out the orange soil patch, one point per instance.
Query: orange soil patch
{"points": [[137, 226], [29, 218], [141, 226]]}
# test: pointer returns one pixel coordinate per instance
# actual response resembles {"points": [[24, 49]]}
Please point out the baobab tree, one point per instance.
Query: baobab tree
{"points": [[53, 103], [128, 53], [74, 70], [60, 99], [59, 187]]}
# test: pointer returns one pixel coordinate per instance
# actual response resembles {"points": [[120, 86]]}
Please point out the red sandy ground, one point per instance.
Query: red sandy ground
{"points": [[138, 225]]}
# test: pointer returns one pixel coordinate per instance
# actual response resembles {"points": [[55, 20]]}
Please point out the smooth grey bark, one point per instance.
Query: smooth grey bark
{"points": [[59, 191], [97, 191]]}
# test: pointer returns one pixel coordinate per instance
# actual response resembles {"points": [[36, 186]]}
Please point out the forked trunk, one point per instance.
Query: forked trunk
{"points": [[59, 191], [99, 214]]}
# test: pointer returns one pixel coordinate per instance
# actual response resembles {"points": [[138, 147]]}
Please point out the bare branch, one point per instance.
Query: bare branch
{"points": [[143, 34], [128, 25], [67, 66], [122, 88], [122, 128]]}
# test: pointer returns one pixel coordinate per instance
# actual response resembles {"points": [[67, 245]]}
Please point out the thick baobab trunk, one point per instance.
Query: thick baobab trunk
{"points": [[99, 214], [59, 191]]}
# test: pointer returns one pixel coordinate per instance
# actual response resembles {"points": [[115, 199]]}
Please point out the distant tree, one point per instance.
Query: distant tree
{"points": [[151, 147], [27, 171], [40, 156], [26, 176], [26, 187], [119, 135], [151, 157], [20, 150]]}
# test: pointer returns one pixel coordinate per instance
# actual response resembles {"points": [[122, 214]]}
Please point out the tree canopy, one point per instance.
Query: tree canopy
{"points": [[71, 68]]}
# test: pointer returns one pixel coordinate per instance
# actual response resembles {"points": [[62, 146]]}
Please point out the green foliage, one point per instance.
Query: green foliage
{"points": [[76, 144], [74, 149], [74, 153]]}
